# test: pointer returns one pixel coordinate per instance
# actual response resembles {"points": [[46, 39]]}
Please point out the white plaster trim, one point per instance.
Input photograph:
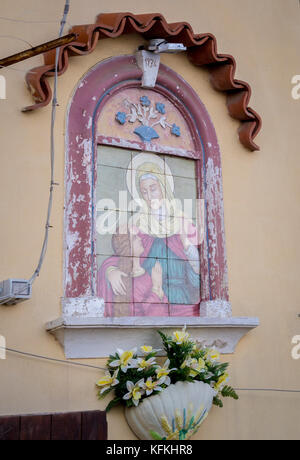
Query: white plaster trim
{"points": [[148, 62], [216, 309], [83, 307], [99, 337]]}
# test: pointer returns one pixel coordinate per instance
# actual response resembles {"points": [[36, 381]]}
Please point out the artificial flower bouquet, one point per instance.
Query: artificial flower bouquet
{"points": [[133, 378]]}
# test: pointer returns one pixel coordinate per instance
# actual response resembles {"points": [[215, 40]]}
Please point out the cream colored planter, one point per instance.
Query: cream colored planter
{"points": [[175, 413]]}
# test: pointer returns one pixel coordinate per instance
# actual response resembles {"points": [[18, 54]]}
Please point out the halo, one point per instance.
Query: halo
{"points": [[134, 165]]}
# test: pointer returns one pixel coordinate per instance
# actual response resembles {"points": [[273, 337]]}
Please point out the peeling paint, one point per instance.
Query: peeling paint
{"points": [[89, 307], [89, 125]]}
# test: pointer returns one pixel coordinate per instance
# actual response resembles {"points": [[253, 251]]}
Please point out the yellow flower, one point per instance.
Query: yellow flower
{"points": [[181, 336], [221, 382], [163, 372], [108, 381], [201, 363], [150, 386], [146, 349], [196, 366], [125, 359], [135, 391], [144, 363], [212, 355]]}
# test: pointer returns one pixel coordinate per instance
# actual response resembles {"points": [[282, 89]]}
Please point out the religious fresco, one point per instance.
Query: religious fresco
{"points": [[148, 234]]}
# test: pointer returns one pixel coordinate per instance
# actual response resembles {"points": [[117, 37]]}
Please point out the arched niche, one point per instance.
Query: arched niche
{"points": [[84, 329]]}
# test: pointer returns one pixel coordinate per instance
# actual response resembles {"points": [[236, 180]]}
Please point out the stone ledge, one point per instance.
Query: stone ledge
{"points": [[98, 337]]}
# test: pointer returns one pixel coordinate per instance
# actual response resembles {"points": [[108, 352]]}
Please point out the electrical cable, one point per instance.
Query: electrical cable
{"points": [[16, 38], [63, 361], [266, 389], [75, 363], [52, 151], [52, 183], [16, 70], [3, 18]]}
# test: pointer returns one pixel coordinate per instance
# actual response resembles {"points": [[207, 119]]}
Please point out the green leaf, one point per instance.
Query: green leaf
{"points": [[217, 402], [150, 355], [155, 435], [102, 395], [229, 392], [113, 403]]}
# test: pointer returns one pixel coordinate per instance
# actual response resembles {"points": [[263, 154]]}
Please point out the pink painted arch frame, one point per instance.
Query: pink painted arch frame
{"points": [[89, 98]]}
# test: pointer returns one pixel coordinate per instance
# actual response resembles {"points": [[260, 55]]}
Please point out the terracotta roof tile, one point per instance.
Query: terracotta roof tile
{"points": [[202, 50]]}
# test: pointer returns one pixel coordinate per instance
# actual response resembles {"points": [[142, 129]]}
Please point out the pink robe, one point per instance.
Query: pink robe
{"points": [[150, 304]]}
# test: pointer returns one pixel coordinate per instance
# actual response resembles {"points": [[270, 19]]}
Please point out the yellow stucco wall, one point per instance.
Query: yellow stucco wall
{"points": [[261, 199]]}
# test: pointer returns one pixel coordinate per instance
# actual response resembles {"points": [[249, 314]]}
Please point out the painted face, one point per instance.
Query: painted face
{"points": [[136, 245], [151, 191]]}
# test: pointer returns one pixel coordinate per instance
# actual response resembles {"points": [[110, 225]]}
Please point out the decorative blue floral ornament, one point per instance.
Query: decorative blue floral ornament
{"points": [[175, 130], [160, 107], [121, 117], [146, 131], [145, 101]]}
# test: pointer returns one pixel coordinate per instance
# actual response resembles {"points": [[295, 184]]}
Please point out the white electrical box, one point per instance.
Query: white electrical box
{"points": [[13, 291]]}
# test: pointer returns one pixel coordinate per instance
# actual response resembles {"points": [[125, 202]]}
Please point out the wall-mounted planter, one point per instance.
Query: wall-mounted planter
{"points": [[176, 413]]}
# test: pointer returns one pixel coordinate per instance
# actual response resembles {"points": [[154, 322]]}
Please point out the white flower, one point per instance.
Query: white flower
{"points": [[135, 391], [125, 359], [108, 381], [212, 355], [148, 349], [196, 366], [221, 382], [163, 372], [151, 386], [181, 336], [142, 364]]}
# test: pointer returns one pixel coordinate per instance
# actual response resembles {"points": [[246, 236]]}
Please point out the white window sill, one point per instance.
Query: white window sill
{"points": [[97, 337]]}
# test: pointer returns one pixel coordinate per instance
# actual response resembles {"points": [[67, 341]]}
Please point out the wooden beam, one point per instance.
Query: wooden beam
{"points": [[40, 49]]}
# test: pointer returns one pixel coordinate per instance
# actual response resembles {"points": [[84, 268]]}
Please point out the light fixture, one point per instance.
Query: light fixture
{"points": [[159, 45]]}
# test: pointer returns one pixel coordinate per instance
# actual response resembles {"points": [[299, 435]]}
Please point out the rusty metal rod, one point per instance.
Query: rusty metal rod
{"points": [[40, 49]]}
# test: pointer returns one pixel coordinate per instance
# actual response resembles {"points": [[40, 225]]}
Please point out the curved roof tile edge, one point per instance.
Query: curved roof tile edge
{"points": [[202, 50]]}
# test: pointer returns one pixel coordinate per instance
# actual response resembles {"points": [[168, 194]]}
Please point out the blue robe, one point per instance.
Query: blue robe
{"points": [[181, 284]]}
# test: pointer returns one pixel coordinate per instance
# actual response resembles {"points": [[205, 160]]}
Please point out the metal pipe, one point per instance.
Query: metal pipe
{"points": [[40, 49]]}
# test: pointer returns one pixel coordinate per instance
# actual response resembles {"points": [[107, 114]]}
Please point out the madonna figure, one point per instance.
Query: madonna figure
{"points": [[168, 249]]}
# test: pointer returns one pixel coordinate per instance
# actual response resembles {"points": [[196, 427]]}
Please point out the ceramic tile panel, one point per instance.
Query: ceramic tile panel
{"points": [[185, 239], [112, 186], [183, 283], [113, 156], [150, 281], [112, 233], [182, 167], [150, 309], [155, 246], [119, 309]]}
